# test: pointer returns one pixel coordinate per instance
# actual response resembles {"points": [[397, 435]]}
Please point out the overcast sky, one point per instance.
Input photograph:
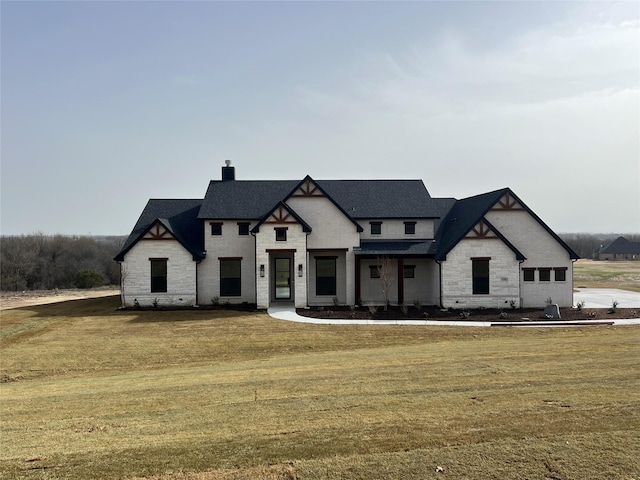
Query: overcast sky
{"points": [[108, 104]]}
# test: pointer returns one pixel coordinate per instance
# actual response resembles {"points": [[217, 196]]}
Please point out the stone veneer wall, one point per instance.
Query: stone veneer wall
{"points": [[541, 251], [457, 279], [181, 274]]}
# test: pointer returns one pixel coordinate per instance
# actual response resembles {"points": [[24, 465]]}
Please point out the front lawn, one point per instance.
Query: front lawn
{"points": [[91, 392]]}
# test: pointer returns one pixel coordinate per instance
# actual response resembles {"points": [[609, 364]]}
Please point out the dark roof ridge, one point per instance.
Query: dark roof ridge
{"points": [[492, 192]]}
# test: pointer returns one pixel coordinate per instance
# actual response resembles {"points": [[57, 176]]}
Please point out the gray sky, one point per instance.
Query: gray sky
{"points": [[108, 104]]}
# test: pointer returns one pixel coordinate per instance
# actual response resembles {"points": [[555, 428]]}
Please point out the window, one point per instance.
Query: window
{"points": [[216, 229], [529, 274], [158, 274], [376, 228], [243, 228], [409, 271], [230, 281], [544, 274], [281, 234], [480, 269], [409, 228], [560, 274], [325, 275], [374, 271]]}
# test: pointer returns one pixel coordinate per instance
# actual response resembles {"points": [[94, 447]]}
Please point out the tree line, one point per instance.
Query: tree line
{"points": [[45, 262], [587, 244]]}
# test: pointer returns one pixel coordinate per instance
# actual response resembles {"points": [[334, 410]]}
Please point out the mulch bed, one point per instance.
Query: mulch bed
{"points": [[480, 315]]}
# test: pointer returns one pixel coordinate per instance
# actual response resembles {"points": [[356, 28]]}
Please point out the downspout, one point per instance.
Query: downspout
{"points": [[122, 286], [357, 300], [306, 271], [256, 267], [573, 262], [400, 263], [197, 285], [520, 280]]}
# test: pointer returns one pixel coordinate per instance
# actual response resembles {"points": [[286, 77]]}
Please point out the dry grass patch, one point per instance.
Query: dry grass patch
{"points": [[604, 274], [193, 395]]}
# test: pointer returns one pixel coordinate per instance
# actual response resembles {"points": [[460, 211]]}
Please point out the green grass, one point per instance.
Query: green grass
{"points": [[612, 274], [90, 392]]}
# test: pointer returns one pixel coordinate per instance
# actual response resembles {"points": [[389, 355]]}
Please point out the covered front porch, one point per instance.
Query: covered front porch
{"points": [[396, 273]]}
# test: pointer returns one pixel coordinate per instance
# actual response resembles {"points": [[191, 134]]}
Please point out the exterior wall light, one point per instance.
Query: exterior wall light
{"points": [[262, 270], [299, 269]]}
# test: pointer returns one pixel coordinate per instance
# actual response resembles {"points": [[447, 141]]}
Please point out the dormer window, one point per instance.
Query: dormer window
{"points": [[409, 228], [376, 228]]}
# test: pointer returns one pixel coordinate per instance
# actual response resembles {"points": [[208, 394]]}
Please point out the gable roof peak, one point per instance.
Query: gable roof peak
{"points": [[282, 213]]}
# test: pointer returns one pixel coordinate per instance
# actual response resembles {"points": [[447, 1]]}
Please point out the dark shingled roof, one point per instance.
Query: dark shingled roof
{"points": [[466, 213], [180, 217], [244, 199], [357, 198], [380, 198], [621, 246]]}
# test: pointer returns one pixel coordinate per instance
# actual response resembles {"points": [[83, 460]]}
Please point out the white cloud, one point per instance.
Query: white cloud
{"points": [[547, 114]]}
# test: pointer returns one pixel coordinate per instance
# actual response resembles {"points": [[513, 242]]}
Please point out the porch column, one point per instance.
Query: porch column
{"points": [[358, 300], [400, 281]]}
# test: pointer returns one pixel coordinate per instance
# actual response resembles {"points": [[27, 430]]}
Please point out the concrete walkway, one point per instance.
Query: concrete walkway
{"points": [[604, 297], [289, 314]]}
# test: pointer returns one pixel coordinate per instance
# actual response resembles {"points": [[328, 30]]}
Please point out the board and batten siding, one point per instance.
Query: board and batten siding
{"points": [[181, 274], [541, 250]]}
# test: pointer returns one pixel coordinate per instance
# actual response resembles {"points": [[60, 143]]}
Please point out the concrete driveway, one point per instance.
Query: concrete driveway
{"points": [[604, 297]]}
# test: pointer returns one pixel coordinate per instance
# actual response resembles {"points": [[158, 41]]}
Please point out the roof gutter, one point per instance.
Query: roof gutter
{"points": [[440, 280]]}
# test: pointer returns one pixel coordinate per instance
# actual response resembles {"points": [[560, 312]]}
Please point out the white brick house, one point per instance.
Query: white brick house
{"points": [[349, 242]]}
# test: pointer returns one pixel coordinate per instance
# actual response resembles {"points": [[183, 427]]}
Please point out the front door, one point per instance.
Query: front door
{"points": [[283, 278]]}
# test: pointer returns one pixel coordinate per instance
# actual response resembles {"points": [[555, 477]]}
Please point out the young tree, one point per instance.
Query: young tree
{"points": [[385, 270]]}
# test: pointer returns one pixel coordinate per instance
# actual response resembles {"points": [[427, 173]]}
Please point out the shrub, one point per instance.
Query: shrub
{"points": [[614, 307], [89, 279]]}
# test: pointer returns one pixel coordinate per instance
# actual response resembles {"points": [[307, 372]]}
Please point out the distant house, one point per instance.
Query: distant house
{"points": [[620, 249], [323, 242]]}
